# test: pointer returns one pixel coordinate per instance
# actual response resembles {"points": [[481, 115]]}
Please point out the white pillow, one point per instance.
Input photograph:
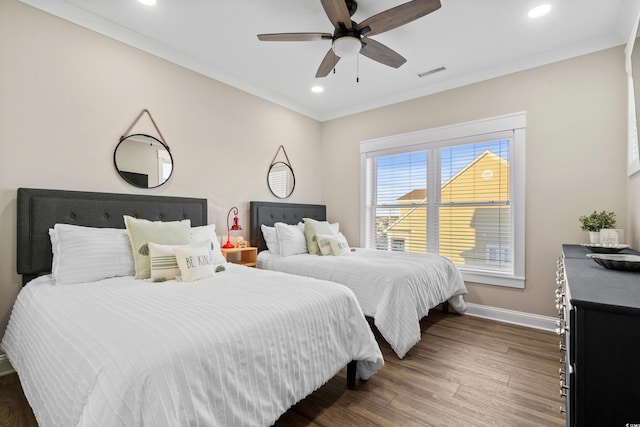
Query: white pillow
{"points": [[86, 254], [195, 263], [162, 258], [313, 227], [142, 231], [208, 232], [333, 244], [271, 239], [291, 239]]}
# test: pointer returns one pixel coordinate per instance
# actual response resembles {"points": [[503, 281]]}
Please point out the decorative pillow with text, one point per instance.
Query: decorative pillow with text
{"points": [[208, 232], [313, 227], [162, 258], [195, 263], [142, 231], [333, 244]]}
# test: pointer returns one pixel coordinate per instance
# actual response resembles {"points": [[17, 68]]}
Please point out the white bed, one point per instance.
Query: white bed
{"points": [[237, 348], [396, 289]]}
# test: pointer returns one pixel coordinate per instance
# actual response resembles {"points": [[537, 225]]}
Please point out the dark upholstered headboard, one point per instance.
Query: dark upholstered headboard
{"points": [[268, 213], [39, 210]]}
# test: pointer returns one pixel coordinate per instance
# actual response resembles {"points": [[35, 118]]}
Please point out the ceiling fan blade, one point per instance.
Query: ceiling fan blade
{"points": [[397, 16], [328, 63], [294, 37], [381, 53], [337, 12]]}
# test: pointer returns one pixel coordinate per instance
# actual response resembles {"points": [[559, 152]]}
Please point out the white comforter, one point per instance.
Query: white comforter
{"points": [[397, 289], [237, 349]]}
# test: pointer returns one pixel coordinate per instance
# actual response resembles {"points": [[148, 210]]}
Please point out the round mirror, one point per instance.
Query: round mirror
{"points": [[143, 161], [281, 180]]}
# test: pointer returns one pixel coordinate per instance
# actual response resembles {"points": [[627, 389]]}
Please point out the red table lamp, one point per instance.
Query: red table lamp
{"points": [[234, 227]]}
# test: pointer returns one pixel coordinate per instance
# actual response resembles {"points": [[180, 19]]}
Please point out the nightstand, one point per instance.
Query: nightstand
{"points": [[242, 256]]}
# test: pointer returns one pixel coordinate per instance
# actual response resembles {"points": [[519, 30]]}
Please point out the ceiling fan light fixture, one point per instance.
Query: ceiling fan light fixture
{"points": [[347, 46]]}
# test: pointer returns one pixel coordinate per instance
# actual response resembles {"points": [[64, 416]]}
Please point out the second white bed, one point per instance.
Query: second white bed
{"points": [[396, 289]]}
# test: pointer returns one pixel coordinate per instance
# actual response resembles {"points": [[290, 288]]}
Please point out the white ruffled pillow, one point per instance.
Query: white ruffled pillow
{"points": [[87, 254], [291, 239], [208, 232]]}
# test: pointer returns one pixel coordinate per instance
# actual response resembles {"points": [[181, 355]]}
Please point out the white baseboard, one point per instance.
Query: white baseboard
{"points": [[5, 366], [530, 320]]}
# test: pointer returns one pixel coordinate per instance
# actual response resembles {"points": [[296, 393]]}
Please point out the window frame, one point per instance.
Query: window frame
{"points": [[513, 125]]}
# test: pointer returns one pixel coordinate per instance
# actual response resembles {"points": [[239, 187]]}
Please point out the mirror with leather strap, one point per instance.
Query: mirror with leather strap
{"points": [[142, 160], [280, 178]]}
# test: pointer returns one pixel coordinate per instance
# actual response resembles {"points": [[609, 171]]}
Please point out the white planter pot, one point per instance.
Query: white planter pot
{"points": [[594, 237]]}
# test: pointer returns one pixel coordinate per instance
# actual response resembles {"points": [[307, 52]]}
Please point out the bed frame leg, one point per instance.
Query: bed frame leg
{"points": [[351, 373]]}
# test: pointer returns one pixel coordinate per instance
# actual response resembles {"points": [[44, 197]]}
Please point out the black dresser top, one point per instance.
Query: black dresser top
{"points": [[592, 284]]}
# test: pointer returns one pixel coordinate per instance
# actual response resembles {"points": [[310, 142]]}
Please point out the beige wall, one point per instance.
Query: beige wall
{"points": [[67, 94], [576, 157]]}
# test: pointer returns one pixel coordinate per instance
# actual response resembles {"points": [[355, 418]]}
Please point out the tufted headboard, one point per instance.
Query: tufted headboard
{"points": [[40, 209], [268, 213]]}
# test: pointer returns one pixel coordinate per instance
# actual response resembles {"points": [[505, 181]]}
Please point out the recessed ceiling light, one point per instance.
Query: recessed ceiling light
{"points": [[539, 11], [148, 2], [317, 89]]}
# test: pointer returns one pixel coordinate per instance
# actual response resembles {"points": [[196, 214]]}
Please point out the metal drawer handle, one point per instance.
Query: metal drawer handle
{"points": [[560, 327]]}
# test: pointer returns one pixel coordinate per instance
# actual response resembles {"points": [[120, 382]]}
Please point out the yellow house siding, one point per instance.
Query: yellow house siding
{"points": [[465, 231], [485, 179]]}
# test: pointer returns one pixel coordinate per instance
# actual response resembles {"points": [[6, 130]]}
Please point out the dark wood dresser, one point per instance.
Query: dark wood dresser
{"points": [[599, 326]]}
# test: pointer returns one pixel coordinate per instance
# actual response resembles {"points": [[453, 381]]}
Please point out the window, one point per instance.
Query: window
{"points": [[165, 165], [456, 191], [497, 254], [278, 181]]}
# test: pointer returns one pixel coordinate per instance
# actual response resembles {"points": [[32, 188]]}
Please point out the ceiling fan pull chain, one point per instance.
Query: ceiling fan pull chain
{"points": [[335, 59], [357, 68]]}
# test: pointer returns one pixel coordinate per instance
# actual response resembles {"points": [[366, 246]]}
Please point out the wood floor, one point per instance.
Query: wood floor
{"points": [[465, 371]]}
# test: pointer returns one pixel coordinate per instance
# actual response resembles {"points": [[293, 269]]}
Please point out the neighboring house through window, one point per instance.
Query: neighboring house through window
{"points": [[457, 191]]}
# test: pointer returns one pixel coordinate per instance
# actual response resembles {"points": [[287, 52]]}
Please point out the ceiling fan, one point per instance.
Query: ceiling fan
{"points": [[349, 37]]}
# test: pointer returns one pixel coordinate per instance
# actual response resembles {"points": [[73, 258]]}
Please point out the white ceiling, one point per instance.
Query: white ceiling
{"points": [[474, 39]]}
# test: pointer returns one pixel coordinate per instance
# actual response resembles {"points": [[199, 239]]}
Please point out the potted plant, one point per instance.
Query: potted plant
{"points": [[595, 222]]}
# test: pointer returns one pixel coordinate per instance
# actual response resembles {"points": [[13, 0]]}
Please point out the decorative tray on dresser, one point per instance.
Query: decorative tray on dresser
{"points": [[599, 326]]}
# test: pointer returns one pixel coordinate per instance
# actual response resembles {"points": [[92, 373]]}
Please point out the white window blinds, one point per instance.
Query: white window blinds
{"points": [[474, 207], [453, 197], [401, 202]]}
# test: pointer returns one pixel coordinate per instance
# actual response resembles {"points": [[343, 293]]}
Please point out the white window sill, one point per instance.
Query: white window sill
{"points": [[493, 279]]}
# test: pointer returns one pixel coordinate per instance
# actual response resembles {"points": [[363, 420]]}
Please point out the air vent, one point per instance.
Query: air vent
{"points": [[435, 70]]}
